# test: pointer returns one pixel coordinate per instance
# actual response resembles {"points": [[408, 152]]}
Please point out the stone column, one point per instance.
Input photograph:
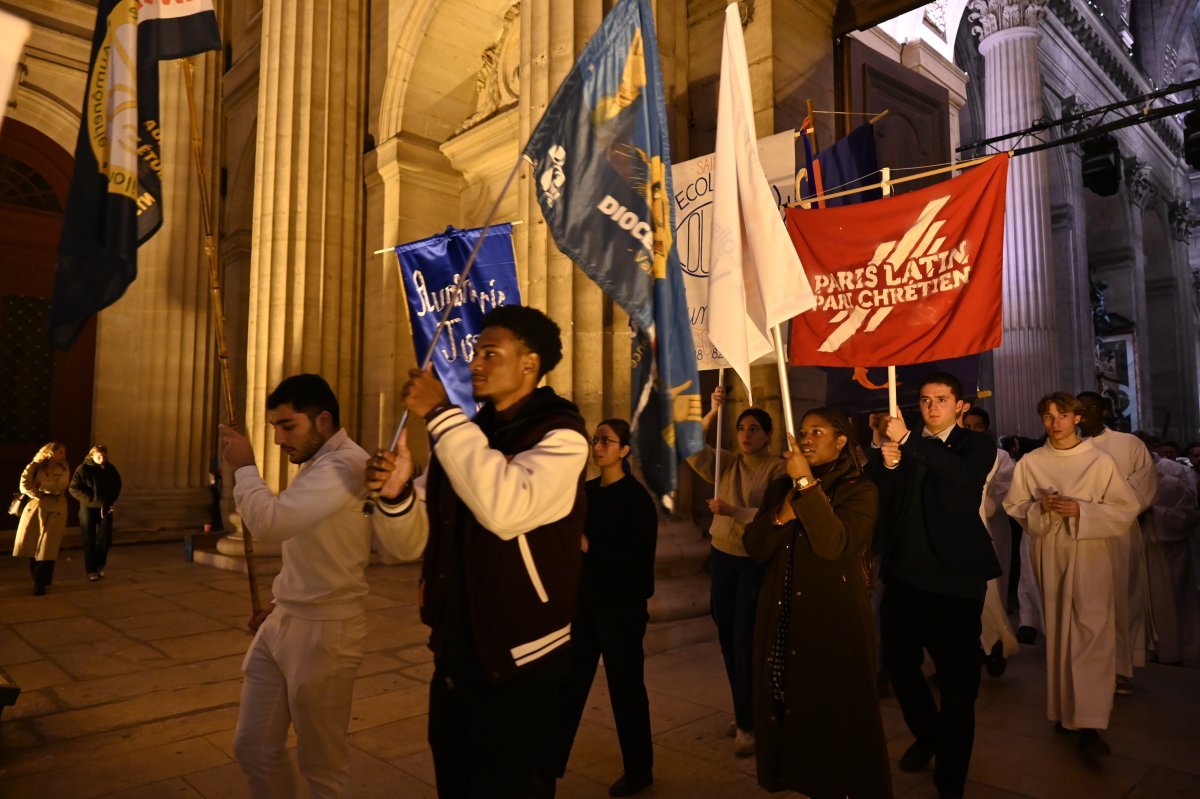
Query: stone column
{"points": [[1183, 221], [1140, 190], [1026, 364], [155, 401], [305, 269]]}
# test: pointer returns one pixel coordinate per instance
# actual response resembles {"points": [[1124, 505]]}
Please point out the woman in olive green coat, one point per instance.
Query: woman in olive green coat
{"points": [[818, 726], [44, 519]]}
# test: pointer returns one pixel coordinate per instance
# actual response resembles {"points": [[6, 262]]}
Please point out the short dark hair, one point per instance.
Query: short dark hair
{"points": [[309, 394], [1101, 400], [533, 328], [943, 379], [762, 417], [982, 414]]}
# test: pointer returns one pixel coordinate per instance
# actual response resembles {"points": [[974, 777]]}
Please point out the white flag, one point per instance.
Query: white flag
{"points": [[756, 280]]}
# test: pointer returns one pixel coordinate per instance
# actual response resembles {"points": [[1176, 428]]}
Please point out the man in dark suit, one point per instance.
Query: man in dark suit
{"points": [[935, 559]]}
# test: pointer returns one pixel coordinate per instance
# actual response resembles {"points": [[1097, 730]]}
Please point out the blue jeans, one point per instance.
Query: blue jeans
{"points": [[736, 582]]}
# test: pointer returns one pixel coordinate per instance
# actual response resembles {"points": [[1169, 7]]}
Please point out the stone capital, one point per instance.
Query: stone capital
{"points": [[992, 16]]}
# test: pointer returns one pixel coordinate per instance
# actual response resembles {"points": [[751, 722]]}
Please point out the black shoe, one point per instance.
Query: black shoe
{"points": [[629, 784], [916, 757], [541, 787], [996, 663], [1091, 744], [39, 590], [1026, 635]]}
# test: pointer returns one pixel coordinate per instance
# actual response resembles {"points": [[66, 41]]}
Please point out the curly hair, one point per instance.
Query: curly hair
{"points": [[842, 426], [533, 328], [47, 451]]}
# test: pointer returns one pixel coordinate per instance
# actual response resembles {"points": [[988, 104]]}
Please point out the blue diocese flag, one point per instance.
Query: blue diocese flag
{"points": [[430, 269], [602, 171]]}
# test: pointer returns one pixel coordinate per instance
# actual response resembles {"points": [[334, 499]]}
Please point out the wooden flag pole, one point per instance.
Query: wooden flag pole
{"points": [[887, 182], [218, 307]]}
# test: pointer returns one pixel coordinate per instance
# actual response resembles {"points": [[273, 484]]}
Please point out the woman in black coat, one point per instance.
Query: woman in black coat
{"points": [[818, 726]]}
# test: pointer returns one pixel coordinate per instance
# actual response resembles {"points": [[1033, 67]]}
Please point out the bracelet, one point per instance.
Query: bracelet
{"points": [[437, 409]]}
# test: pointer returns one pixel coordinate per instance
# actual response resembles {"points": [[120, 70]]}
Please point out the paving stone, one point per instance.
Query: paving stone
{"points": [[14, 649], [64, 634], [139, 710], [205, 646], [113, 716], [169, 624], [108, 657], [120, 773], [37, 674]]}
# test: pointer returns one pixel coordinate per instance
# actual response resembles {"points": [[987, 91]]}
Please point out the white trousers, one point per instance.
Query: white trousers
{"points": [[299, 672]]}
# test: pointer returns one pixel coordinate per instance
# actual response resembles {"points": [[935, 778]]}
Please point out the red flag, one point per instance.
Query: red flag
{"points": [[906, 279]]}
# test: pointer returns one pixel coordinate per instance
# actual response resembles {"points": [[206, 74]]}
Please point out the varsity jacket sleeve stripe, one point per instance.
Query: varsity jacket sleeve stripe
{"points": [[511, 497], [403, 528]]}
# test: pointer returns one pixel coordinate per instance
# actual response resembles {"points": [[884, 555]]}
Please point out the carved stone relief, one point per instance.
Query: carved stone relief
{"points": [[1140, 180], [498, 83]]}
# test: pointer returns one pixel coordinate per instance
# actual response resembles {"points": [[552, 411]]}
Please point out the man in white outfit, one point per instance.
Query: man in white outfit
{"points": [[301, 666], [1129, 564]]}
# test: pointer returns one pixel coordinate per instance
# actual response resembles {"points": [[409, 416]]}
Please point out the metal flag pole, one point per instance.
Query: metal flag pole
{"points": [[373, 497], [218, 307]]}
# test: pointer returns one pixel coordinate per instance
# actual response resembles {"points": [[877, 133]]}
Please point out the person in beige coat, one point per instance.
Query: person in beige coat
{"points": [[44, 520]]}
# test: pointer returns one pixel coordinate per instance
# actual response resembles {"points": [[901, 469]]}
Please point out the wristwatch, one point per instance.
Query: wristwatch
{"points": [[802, 483]]}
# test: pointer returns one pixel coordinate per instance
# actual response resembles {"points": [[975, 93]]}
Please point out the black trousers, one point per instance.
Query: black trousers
{"points": [[484, 735], [913, 621], [96, 530], [614, 630], [42, 572]]}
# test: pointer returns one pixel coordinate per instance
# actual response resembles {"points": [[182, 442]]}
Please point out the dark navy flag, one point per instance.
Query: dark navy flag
{"points": [[849, 163], [431, 269], [115, 202], [602, 171]]}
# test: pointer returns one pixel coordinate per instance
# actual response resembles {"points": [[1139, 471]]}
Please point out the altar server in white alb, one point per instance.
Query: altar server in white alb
{"points": [[1129, 564], [996, 635], [1073, 501]]}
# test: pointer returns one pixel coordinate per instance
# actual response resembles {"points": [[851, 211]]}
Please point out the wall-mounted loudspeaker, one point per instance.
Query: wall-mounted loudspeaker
{"points": [[1102, 165]]}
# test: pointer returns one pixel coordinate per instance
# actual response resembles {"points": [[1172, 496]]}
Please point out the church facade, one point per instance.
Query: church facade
{"points": [[333, 129]]}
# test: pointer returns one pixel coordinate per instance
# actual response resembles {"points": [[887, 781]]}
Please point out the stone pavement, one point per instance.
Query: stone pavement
{"points": [[130, 689]]}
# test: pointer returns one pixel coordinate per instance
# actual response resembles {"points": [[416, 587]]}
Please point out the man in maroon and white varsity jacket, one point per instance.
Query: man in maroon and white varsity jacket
{"points": [[500, 514]]}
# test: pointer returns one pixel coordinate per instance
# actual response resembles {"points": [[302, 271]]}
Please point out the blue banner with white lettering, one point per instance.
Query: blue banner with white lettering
{"points": [[431, 270], [602, 171]]}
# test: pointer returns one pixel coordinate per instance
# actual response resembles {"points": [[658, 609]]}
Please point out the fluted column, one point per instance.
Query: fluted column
{"points": [[1026, 364], [155, 396], [305, 275]]}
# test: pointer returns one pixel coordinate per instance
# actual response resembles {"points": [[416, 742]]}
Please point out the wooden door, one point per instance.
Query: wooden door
{"points": [[45, 395], [916, 131]]}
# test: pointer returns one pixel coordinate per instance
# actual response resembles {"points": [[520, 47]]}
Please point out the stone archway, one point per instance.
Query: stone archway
{"points": [[48, 394]]}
